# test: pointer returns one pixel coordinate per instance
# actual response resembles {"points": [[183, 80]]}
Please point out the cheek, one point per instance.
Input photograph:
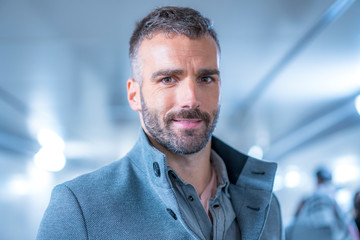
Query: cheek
{"points": [[164, 103], [211, 98], [159, 101]]}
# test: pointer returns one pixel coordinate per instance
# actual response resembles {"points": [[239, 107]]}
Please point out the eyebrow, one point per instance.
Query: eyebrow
{"points": [[204, 72], [167, 73], [172, 72]]}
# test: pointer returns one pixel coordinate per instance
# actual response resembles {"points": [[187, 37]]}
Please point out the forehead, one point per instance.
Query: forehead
{"points": [[162, 47]]}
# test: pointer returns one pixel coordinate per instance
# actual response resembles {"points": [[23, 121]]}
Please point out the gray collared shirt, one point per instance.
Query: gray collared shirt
{"points": [[224, 224]]}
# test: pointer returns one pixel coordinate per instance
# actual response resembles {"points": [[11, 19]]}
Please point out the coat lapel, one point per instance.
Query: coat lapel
{"points": [[250, 189], [251, 207]]}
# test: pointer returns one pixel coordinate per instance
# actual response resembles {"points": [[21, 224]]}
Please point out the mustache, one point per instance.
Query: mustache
{"points": [[188, 114]]}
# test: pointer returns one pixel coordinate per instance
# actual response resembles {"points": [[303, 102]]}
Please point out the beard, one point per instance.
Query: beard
{"points": [[187, 141]]}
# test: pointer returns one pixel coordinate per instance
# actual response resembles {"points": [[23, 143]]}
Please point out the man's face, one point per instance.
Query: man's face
{"points": [[180, 90]]}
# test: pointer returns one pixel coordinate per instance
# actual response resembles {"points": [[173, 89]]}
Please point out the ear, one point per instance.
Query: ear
{"points": [[133, 94]]}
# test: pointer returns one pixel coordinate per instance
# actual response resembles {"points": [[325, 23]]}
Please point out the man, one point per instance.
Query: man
{"points": [[319, 216], [178, 182]]}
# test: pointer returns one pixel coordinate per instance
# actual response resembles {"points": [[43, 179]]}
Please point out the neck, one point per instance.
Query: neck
{"points": [[192, 168]]}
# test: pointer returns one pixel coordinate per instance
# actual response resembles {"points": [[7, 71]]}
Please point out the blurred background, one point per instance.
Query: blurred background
{"points": [[290, 93]]}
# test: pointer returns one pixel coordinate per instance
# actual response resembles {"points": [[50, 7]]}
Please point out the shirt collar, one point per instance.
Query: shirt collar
{"points": [[221, 173]]}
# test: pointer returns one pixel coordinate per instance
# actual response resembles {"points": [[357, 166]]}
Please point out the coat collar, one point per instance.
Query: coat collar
{"points": [[150, 161], [243, 171], [251, 188], [251, 181]]}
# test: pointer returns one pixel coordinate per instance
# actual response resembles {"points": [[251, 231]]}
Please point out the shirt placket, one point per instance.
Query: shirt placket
{"points": [[198, 219], [218, 217]]}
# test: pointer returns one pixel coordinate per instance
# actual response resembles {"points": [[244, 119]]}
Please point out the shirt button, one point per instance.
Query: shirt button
{"points": [[156, 168], [171, 213], [216, 205], [191, 198]]}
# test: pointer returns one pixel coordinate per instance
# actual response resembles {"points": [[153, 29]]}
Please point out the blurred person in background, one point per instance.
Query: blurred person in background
{"points": [[178, 181], [357, 209], [319, 216]]}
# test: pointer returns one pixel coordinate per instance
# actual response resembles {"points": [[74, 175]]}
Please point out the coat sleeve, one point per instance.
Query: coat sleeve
{"points": [[63, 218], [273, 228]]}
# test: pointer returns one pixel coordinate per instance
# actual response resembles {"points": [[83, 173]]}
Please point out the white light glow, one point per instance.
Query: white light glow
{"points": [[344, 199], [51, 156], [39, 178], [18, 186], [49, 139], [357, 104], [292, 179], [50, 159], [256, 152], [346, 170]]}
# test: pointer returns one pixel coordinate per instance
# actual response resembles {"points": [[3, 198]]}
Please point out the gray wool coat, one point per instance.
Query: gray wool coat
{"points": [[133, 198]]}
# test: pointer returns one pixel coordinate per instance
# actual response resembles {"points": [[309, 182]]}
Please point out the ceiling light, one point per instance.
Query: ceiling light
{"points": [[49, 139], [51, 156], [50, 159]]}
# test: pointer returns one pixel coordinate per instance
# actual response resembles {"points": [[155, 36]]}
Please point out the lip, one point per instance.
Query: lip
{"points": [[187, 123]]}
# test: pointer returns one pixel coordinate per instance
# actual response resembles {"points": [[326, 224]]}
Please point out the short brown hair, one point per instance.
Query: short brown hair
{"points": [[169, 20]]}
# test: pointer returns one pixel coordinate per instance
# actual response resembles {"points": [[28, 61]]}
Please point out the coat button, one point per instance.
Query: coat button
{"points": [[253, 208], [171, 213], [156, 168]]}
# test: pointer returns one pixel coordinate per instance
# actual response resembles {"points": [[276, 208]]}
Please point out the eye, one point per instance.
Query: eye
{"points": [[167, 80], [206, 79]]}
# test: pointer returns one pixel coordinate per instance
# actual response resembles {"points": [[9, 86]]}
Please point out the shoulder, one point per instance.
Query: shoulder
{"points": [[102, 176], [99, 184]]}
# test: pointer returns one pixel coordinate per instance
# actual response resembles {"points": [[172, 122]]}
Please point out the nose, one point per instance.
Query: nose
{"points": [[187, 94]]}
